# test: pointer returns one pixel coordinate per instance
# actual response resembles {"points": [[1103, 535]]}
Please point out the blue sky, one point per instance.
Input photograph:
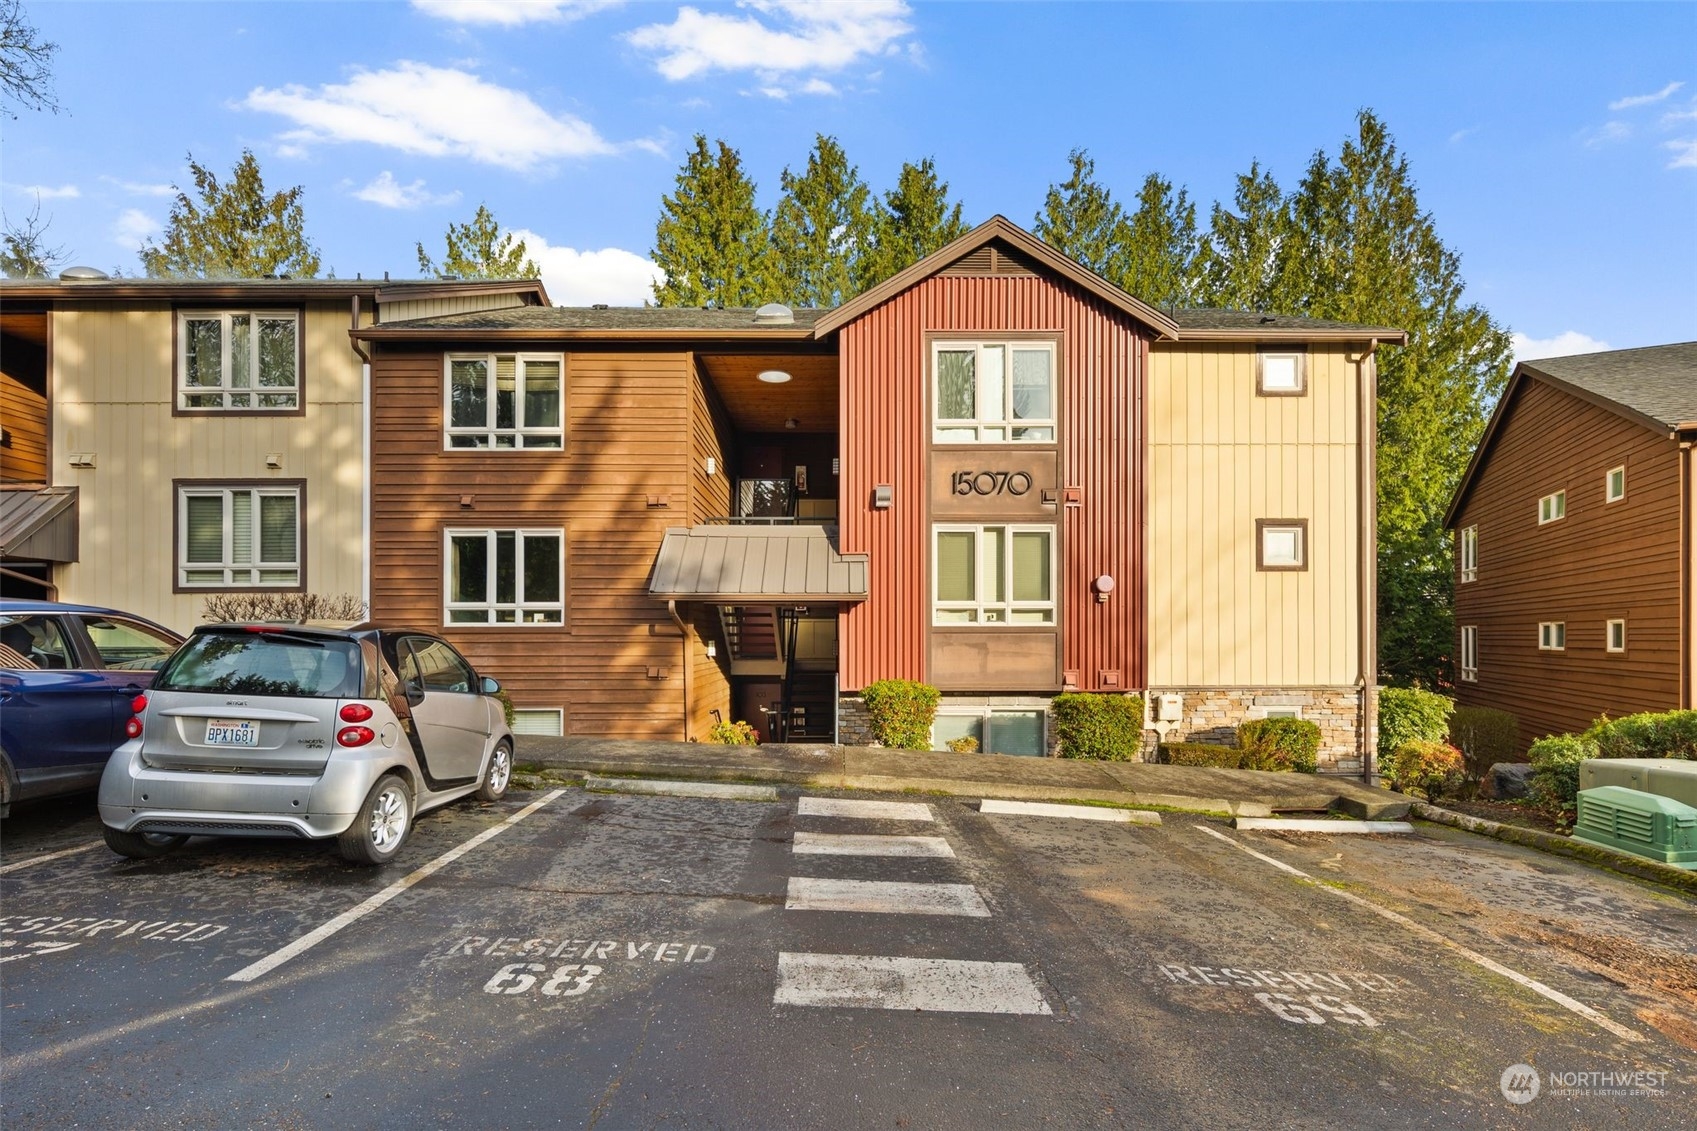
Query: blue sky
{"points": [[1556, 145]]}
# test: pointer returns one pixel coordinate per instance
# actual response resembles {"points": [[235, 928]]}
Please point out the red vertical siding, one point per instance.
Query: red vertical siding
{"points": [[883, 390]]}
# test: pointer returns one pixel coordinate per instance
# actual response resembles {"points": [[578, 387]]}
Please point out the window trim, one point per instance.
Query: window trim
{"points": [[557, 713], [179, 532], [1262, 525], [1010, 342], [519, 433], [1053, 604], [1609, 636], [1469, 553], [448, 605], [1555, 632], [179, 360], [1557, 508], [1468, 662], [1609, 481], [985, 713], [1300, 353]]}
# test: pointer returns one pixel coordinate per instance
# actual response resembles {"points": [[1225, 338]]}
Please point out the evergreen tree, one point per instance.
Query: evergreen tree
{"points": [[910, 222], [1240, 260], [24, 253], [1081, 220], [1160, 246], [479, 250], [235, 231], [711, 241], [821, 229]]}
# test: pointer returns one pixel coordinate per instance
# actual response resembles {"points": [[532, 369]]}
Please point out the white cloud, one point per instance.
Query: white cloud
{"points": [[512, 13], [582, 278], [432, 111], [1608, 133], [776, 38], [138, 188], [49, 192], [1564, 344], [132, 228], [1459, 135], [1645, 99], [1684, 153], [1674, 117], [390, 193]]}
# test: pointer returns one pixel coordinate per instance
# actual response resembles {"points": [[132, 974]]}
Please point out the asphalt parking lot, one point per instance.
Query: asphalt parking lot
{"points": [[564, 958]]}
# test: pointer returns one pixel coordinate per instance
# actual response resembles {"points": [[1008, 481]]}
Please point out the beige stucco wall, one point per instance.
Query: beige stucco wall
{"points": [[1219, 458], [111, 389]]}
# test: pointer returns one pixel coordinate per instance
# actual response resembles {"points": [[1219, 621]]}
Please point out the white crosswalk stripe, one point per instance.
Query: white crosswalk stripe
{"points": [[853, 844], [935, 985], [870, 810], [883, 897]]}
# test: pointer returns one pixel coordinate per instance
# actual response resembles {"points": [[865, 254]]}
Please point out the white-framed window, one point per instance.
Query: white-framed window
{"points": [[1291, 712], [993, 392], [996, 730], [1552, 635], [1281, 373], [1470, 553], [238, 536], [1616, 635], [547, 721], [993, 575], [1470, 652], [1614, 485], [1552, 507], [505, 400], [238, 360], [505, 577], [1281, 544]]}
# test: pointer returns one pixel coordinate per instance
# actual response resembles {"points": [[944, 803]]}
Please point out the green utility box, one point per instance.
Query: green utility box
{"points": [[1657, 828], [1665, 777]]}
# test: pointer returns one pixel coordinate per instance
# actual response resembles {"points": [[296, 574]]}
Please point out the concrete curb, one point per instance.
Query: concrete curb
{"points": [[721, 791], [1603, 857], [1299, 825]]}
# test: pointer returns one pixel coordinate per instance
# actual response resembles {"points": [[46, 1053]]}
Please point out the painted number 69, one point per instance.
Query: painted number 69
{"points": [[517, 977], [1287, 1008]]}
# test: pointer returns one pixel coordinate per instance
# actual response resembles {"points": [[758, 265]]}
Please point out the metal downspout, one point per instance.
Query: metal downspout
{"points": [[1367, 614], [364, 462]]}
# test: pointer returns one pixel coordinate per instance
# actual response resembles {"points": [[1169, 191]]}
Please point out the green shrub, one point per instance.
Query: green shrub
{"points": [[1661, 734], [1280, 744], [965, 744], [1431, 767], [901, 712], [1108, 727], [1407, 714], [1485, 736], [1555, 769], [1201, 754], [507, 707], [738, 733]]}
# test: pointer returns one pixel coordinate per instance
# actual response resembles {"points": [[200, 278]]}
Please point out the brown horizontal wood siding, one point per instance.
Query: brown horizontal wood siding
{"points": [[23, 414], [628, 439], [711, 437], [884, 391], [1604, 561]]}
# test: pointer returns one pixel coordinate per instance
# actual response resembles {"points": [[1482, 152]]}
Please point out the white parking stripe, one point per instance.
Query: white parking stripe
{"points": [[46, 856], [934, 985], [851, 844], [871, 810], [722, 791], [882, 897], [307, 941], [1426, 932], [1077, 812]]}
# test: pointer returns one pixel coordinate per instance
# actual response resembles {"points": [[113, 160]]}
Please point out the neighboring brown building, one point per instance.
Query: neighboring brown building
{"points": [[1576, 542], [995, 472]]}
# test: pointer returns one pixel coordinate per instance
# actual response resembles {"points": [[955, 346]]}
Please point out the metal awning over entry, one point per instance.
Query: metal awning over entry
{"points": [[38, 524], [756, 565]]}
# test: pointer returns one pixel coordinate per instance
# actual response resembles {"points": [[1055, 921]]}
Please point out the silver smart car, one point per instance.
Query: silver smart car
{"points": [[291, 730]]}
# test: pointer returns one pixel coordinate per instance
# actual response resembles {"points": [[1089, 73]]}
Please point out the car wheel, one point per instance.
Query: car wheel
{"points": [[381, 826], [499, 773], [142, 846]]}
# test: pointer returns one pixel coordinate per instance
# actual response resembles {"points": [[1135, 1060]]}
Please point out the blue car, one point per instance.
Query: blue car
{"points": [[67, 676]]}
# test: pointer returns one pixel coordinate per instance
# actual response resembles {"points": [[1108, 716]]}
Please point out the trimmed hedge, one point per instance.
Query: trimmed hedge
{"points": [[1432, 767], [1653, 734], [1201, 754], [1407, 714], [901, 712], [1280, 744], [733, 734], [1105, 727], [1485, 736], [1555, 762]]}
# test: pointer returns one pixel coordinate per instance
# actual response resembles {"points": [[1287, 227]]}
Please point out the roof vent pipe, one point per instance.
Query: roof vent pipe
{"points": [[83, 274], [774, 314]]}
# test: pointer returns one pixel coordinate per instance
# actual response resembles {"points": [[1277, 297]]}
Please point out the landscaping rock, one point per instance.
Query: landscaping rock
{"points": [[1509, 780]]}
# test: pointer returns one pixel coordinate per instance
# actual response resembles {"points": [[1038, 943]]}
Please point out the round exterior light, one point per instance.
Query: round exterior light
{"points": [[773, 376], [1103, 585]]}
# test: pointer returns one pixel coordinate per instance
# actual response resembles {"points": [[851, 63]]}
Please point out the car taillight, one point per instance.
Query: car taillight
{"points": [[355, 713], [355, 736], [132, 729], [138, 704]]}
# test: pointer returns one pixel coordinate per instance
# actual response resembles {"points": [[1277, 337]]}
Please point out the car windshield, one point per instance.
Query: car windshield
{"points": [[265, 663]]}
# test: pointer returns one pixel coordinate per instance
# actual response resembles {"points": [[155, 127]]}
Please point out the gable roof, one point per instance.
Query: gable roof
{"points": [[1652, 386]]}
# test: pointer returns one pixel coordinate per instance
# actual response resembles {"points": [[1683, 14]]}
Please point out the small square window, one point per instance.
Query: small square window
{"points": [[1552, 507], [1470, 653], [1617, 636], [1280, 374], [1552, 636], [1281, 544], [1614, 486], [1470, 553]]}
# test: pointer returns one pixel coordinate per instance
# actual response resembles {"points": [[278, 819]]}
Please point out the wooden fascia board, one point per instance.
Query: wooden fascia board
{"points": [[233, 291], [395, 333], [1385, 337]]}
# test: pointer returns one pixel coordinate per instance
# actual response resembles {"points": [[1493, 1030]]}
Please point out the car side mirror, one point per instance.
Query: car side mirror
{"points": [[490, 686], [414, 691]]}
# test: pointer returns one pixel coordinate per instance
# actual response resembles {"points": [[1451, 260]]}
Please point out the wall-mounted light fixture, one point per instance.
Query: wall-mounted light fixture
{"points": [[1103, 585], [792, 423], [712, 465], [712, 649], [883, 497]]}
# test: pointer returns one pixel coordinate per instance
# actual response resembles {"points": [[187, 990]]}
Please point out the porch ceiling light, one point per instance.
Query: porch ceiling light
{"points": [[773, 376]]}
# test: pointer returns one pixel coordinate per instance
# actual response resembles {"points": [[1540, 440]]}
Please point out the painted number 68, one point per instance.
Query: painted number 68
{"points": [[1287, 1008], [517, 977]]}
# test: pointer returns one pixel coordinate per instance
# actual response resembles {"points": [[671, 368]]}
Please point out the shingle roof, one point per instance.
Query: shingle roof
{"points": [[756, 565], [1659, 382], [614, 318], [1200, 319], [278, 289]]}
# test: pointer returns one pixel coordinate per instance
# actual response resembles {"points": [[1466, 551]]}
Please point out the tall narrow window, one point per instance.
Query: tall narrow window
{"points": [[505, 400], [1552, 636], [238, 360], [505, 577], [1617, 635], [1552, 507], [1614, 485], [238, 537], [1470, 553], [1470, 652], [993, 392]]}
